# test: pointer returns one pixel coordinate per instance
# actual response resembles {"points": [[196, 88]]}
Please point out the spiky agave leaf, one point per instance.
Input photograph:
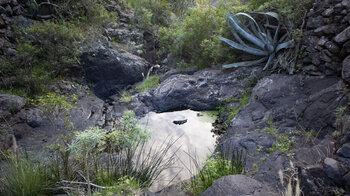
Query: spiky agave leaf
{"points": [[261, 39]]}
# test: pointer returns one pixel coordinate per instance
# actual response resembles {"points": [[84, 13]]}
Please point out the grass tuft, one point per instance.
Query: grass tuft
{"points": [[151, 82], [214, 168]]}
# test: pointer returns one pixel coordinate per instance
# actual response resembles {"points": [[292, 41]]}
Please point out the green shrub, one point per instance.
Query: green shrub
{"points": [[291, 11], [45, 51], [194, 38], [83, 12], [151, 13], [215, 168], [152, 81], [124, 186]]}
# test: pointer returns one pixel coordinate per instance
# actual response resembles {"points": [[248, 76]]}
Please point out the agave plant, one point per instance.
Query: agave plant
{"points": [[262, 43]]}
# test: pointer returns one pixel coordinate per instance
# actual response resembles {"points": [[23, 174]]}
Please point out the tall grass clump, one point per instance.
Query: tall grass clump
{"points": [[26, 178], [214, 168]]}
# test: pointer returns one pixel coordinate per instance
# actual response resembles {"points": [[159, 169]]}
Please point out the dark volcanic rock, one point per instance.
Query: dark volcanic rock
{"points": [[10, 104], [344, 151], [205, 90], [343, 36], [332, 170], [111, 70], [237, 185], [34, 130], [288, 101], [346, 69]]}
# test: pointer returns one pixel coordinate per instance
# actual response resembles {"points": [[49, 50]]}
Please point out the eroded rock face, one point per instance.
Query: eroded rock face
{"points": [[109, 70], [237, 185], [290, 103]]}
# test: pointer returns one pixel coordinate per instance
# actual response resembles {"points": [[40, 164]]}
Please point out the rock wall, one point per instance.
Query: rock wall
{"points": [[10, 13], [326, 42]]}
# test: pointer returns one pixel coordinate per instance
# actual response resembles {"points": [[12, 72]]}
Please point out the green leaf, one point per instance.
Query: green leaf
{"points": [[244, 64], [246, 49]]}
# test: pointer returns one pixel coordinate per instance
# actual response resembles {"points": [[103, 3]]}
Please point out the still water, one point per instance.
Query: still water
{"points": [[192, 129]]}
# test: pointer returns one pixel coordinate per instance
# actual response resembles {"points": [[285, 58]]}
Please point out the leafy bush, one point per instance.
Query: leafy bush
{"points": [[152, 81], [291, 12], [215, 168], [194, 37], [124, 186], [45, 51], [264, 43], [83, 12], [151, 13]]}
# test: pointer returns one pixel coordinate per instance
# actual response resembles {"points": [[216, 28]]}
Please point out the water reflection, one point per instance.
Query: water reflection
{"points": [[195, 140]]}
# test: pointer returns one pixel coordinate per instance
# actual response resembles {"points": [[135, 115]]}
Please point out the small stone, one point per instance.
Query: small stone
{"points": [[2, 10], [310, 68], [326, 29], [338, 6], [315, 22], [2, 2], [328, 12], [346, 179], [346, 69], [17, 10], [344, 151], [332, 47], [332, 170], [346, 19], [14, 2], [346, 3], [316, 59], [346, 46], [343, 36], [2, 23], [322, 41], [344, 12], [325, 56], [9, 11]]}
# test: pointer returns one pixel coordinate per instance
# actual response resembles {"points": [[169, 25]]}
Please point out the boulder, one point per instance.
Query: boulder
{"points": [[237, 185], [110, 70], [328, 12], [346, 69], [10, 104], [205, 90], [34, 117]]}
